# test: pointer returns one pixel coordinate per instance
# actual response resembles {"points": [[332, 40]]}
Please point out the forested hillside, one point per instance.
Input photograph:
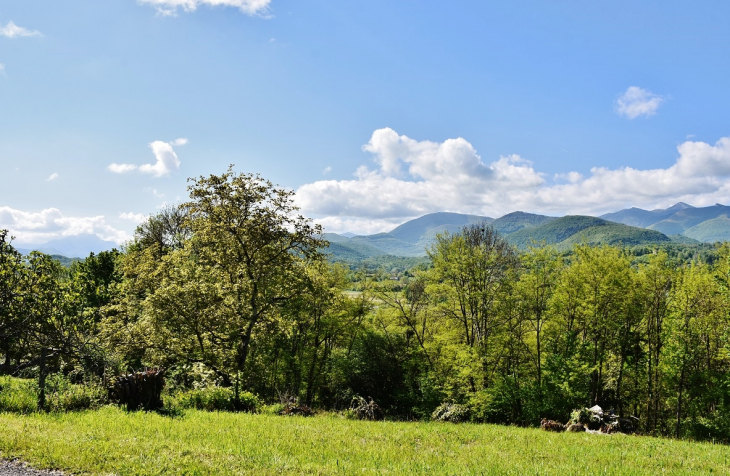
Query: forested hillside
{"points": [[233, 290]]}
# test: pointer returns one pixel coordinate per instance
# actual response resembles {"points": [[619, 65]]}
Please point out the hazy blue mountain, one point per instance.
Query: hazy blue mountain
{"points": [[682, 220], [428, 226], [517, 221], [78, 246], [705, 224], [409, 239], [643, 218], [390, 245]]}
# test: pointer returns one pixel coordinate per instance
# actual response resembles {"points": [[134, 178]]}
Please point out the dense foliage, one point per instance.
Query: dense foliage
{"points": [[231, 293]]}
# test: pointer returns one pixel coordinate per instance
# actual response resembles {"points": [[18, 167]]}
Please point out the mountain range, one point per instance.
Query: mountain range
{"points": [[681, 223], [633, 226], [78, 246]]}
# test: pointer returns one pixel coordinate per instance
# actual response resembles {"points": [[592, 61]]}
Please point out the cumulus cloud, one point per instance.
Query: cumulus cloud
{"points": [[134, 217], [49, 224], [11, 30], [167, 161], [121, 168], [171, 7], [53, 176], [412, 178], [635, 102]]}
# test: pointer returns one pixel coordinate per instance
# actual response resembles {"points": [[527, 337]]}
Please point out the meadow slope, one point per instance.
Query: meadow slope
{"points": [[111, 441]]}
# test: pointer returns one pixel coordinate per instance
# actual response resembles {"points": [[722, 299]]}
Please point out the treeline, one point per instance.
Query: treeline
{"points": [[232, 289]]}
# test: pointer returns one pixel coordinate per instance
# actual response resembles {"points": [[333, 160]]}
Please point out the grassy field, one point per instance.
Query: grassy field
{"points": [[112, 441]]}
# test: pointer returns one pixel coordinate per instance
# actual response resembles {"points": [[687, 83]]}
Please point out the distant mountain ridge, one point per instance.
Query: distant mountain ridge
{"points": [[681, 223], [78, 246], [705, 224]]}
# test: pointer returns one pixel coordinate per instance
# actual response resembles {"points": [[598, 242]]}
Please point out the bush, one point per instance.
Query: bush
{"points": [[216, 399], [451, 412], [62, 395], [273, 409]]}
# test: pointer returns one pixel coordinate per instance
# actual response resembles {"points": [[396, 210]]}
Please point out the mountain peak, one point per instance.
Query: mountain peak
{"points": [[680, 206]]}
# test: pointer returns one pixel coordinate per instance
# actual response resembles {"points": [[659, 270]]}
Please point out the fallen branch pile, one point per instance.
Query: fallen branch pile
{"points": [[593, 420], [138, 390]]}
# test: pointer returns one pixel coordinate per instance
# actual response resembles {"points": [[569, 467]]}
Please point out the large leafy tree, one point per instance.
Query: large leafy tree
{"points": [[472, 273], [12, 278], [249, 235]]}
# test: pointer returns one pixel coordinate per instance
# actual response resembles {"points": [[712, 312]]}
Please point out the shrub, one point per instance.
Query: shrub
{"points": [[273, 409], [62, 395], [451, 412], [216, 399]]}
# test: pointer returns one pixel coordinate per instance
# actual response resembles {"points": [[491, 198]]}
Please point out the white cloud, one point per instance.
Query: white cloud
{"points": [[11, 30], [121, 168], [326, 170], [135, 217], [49, 224], [167, 161], [171, 7], [635, 102], [413, 178], [53, 176], [2, 69]]}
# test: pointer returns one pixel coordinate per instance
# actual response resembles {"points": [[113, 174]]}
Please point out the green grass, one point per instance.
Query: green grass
{"points": [[21, 395], [111, 441]]}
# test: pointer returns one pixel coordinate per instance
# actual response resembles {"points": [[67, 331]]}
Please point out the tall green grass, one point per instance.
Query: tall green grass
{"points": [[21, 395], [18, 395], [112, 441]]}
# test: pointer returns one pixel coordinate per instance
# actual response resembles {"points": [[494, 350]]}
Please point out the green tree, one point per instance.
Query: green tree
{"points": [[12, 318], [248, 234], [472, 271]]}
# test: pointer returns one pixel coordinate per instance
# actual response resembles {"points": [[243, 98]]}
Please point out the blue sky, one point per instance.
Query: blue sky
{"points": [[373, 111]]}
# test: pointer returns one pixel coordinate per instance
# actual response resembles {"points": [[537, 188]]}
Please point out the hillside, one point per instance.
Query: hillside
{"points": [[516, 221], [569, 230], [390, 245], [351, 251], [706, 223], [711, 231]]}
